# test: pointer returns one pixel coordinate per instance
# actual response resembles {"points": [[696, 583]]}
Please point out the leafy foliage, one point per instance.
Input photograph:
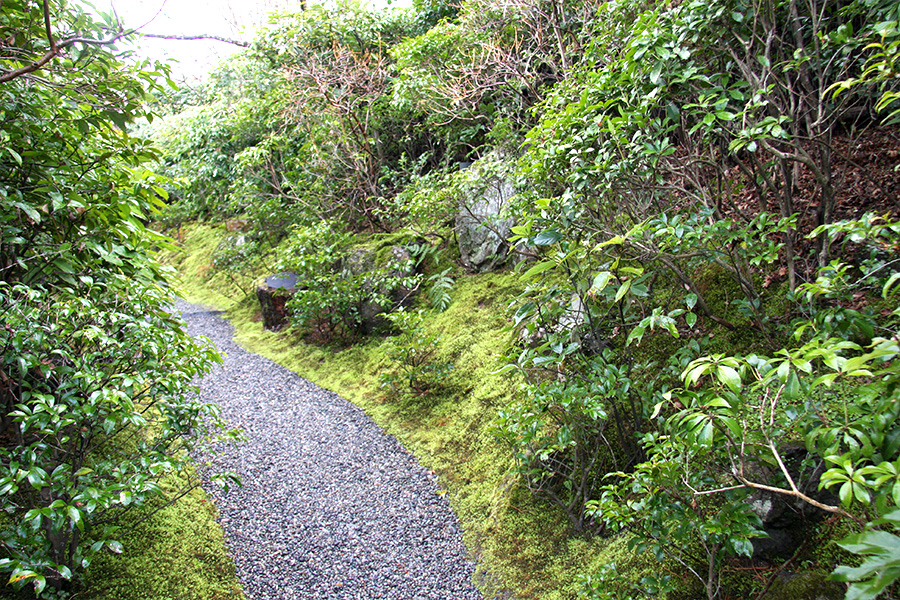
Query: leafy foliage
{"points": [[95, 374], [413, 352], [342, 287], [736, 412], [881, 568]]}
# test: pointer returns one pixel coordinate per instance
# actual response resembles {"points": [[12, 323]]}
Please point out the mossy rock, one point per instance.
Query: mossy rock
{"points": [[804, 586]]}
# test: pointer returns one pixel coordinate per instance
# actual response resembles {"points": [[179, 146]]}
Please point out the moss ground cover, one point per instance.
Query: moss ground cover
{"points": [[177, 554], [523, 545]]}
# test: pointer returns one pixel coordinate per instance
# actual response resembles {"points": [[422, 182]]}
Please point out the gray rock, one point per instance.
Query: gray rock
{"points": [[786, 519], [481, 228], [362, 261]]}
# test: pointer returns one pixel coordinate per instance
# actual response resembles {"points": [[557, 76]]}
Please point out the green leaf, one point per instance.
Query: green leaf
{"points": [[891, 282], [616, 240], [538, 269], [878, 571], [705, 437], [845, 493], [15, 155], [691, 319], [601, 281], [33, 214], [693, 373], [636, 335], [76, 517], [118, 118], [547, 238], [733, 427], [718, 403], [792, 389], [691, 300], [729, 377], [57, 201]]}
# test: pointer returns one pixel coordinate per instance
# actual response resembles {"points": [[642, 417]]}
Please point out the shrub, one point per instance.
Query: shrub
{"points": [[340, 291], [96, 399], [413, 353]]}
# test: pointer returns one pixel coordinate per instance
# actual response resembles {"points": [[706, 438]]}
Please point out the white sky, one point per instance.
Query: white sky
{"points": [[236, 19]]}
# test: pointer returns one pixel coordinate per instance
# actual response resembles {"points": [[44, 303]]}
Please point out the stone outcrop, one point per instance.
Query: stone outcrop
{"points": [[363, 261], [481, 228], [786, 519]]}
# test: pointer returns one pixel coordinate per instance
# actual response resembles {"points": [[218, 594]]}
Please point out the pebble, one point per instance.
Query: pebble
{"points": [[330, 507]]}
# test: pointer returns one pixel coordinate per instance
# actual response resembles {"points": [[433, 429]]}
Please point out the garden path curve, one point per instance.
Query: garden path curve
{"points": [[331, 506]]}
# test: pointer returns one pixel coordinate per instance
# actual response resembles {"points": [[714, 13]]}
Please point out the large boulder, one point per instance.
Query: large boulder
{"points": [[576, 322], [481, 227], [787, 519]]}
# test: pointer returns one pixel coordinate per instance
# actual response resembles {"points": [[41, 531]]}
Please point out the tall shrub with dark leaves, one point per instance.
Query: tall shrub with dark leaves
{"points": [[96, 402]]}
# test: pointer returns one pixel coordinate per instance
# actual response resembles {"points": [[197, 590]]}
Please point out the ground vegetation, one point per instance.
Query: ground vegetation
{"points": [[696, 318]]}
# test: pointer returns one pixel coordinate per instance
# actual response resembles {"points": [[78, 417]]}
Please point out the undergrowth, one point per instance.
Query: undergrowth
{"points": [[177, 554], [522, 545]]}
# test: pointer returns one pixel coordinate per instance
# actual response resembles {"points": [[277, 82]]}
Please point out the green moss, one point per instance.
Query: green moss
{"points": [[801, 586], [177, 554], [382, 244], [196, 279]]}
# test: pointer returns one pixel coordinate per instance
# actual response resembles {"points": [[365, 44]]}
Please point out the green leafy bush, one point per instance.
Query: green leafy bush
{"points": [[340, 290], [735, 415], [97, 403], [98, 409], [566, 434], [881, 565], [413, 353]]}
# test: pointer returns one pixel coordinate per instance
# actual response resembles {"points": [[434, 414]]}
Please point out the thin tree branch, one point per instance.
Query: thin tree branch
{"points": [[56, 50], [218, 38], [47, 29]]}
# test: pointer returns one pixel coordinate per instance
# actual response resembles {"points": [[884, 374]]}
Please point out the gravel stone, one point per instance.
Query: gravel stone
{"points": [[331, 507]]}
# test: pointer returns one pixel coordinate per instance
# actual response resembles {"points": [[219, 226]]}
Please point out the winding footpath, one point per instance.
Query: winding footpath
{"points": [[331, 507]]}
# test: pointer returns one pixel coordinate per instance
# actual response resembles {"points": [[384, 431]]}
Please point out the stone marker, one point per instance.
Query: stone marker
{"points": [[273, 293]]}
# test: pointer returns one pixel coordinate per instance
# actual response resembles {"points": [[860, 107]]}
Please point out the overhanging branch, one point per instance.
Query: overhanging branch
{"points": [[218, 38], [56, 48]]}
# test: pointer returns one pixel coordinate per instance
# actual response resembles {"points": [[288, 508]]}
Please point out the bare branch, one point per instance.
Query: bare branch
{"points": [[218, 38], [796, 494], [56, 50]]}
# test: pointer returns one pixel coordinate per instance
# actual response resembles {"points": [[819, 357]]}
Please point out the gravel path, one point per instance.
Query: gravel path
{"points": [[331, 506]]}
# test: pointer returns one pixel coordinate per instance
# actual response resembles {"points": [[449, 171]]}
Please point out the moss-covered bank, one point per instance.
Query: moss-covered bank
{"points": [[169, 552], [523, 546], [177, 554]]}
